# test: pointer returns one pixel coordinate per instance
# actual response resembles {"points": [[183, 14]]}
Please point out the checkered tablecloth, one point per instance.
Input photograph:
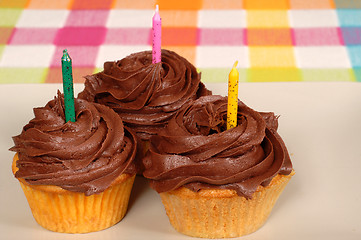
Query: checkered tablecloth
{"points": [[280, 40]]}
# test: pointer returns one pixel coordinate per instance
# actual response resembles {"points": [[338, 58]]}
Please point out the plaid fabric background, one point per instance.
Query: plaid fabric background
{"points": [[281, 40]]}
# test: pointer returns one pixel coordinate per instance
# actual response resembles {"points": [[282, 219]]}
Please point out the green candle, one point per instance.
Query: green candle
{"points": [[68, 87]]}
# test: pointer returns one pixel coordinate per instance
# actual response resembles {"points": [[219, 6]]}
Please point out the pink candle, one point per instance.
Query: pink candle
{"points": [[157, 35]]}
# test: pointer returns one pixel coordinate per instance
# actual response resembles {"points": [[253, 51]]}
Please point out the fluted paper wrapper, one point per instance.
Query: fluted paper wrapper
{"points": [[221, 213], [60, 210]]}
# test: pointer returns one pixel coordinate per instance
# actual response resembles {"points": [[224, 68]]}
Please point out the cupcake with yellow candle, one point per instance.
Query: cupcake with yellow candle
{"points": [[214, 182], [77, 176], [145, 94]]}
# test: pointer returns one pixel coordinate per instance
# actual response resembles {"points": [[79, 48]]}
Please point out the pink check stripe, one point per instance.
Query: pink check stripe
{"points": [[224, 36], [128, 36], [76, 36], [21, 36], [316, 36]]}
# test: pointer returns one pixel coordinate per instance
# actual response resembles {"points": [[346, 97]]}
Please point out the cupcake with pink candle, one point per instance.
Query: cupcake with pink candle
{"points": [[146, 95], [146, 88]]}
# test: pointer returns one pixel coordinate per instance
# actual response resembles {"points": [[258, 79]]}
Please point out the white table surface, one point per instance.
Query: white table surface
{"points": [[320, 123]]}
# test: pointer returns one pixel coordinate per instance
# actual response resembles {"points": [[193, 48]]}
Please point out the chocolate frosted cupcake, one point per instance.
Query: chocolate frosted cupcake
{"points": [[218, 183], [145, 95], [77, 176]]}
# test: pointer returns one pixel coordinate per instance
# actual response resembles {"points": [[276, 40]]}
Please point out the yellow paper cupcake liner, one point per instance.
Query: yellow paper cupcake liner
{"points": [[60, 210], [221, 213]]}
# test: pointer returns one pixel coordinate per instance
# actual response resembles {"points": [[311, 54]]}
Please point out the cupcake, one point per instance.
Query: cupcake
{"points": [[145, 95], [77, 176], [214, 182]]}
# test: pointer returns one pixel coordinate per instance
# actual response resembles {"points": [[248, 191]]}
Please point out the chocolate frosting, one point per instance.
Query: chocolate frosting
{"points": [[198, 152], [145, 95], [82, 156]]}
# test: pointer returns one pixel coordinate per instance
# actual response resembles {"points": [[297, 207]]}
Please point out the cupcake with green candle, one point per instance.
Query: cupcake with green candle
{"points": [[75, 163], [216, 182], [146, 95], [77, 176]]}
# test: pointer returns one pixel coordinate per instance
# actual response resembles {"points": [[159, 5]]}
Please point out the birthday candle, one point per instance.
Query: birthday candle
{"points": [[232, 108], [157, 35], [68, 87]]}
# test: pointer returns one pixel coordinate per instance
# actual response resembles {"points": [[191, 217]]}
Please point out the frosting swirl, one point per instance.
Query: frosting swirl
{"points": [[82, 156], [196, 151], [145, 95]]}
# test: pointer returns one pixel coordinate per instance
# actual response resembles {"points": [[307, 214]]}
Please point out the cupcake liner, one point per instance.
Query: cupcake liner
{"points": [[61, 210], [221, 213]]}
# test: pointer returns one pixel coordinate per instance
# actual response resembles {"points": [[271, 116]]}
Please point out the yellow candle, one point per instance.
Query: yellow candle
{"points": [[232, 107]]}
